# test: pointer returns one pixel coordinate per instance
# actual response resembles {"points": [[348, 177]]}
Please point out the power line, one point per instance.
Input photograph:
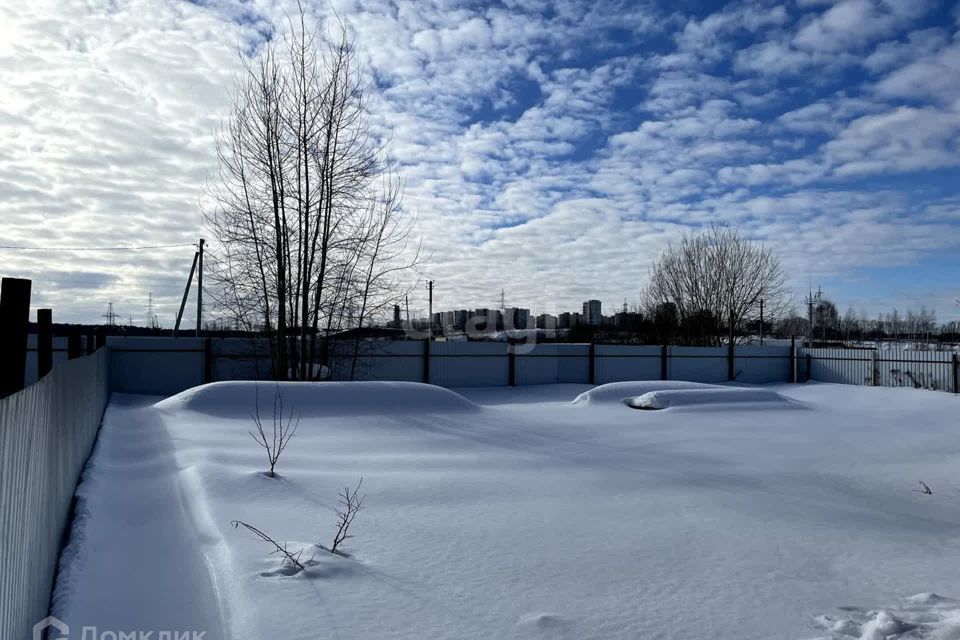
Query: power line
{"points": [[141, 248]]}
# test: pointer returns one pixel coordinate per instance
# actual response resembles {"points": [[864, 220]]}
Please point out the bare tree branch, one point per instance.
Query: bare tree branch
{"points": [[284, 427]]}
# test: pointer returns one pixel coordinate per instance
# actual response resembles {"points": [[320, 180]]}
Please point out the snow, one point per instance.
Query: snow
{"points": [[239, 399], [620, 392], [709, 399], [517, 513], [925, 615]]}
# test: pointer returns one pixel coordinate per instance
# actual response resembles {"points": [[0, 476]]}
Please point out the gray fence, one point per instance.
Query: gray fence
{"points": [[164, 366], [46, 434], [935, 370]]}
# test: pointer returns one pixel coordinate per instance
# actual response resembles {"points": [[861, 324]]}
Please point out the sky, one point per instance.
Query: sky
{"points": [[549, 149]]}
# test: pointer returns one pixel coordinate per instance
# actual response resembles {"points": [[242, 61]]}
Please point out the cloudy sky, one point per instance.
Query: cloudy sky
{"points": [[550, 149]]}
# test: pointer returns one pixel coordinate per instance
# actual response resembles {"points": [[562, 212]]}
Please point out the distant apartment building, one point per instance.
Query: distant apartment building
{"points": [[547, 322], [484, 321], [443, 321], [460, 318], [591, 313], [397, 323], [516, 318]]}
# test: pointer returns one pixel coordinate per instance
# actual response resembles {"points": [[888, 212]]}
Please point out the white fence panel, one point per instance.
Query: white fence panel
{"points": [[618, 363], [160, 366], [759, 365], [842, 366], [552, 363], [698, 364], [240, 359], [399, 360], [469, 364], [46, 434]]}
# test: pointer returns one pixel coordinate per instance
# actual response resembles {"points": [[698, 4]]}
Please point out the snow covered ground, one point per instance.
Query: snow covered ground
{"points": [[516, 513]]}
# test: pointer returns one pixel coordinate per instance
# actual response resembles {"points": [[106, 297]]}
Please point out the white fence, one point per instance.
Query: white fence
{"points": [[46, 434], [164, 366], [935, 370]]}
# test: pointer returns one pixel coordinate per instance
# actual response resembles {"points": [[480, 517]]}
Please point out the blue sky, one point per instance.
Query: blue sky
{"points": [[549, 149]]}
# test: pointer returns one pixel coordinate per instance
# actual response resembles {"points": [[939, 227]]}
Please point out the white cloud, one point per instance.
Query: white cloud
{"points": [[542, 154], [889, 55], [931, 76], [905, 139], [853, 23]]}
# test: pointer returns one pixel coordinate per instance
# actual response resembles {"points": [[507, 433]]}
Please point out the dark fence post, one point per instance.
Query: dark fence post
{"points": [[90, 344], [74, 345], [593, 363], [208, 361], [793, 359], [101, 337], [731, 375], [44, 342], [956, 362], [874, 369], [14, 318], [512, 365], [426, 360], [809, 368], [663, 362]]}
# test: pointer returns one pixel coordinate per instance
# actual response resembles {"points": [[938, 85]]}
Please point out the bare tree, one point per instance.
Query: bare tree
{"points": [[305, 209], [284, 427], [716, 273], [351, 502], [289, 558]]}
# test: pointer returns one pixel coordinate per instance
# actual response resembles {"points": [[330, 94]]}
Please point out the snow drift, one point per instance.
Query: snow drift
{"points": [[665, 399], [529, 519], [317, 399], [618, 392]]}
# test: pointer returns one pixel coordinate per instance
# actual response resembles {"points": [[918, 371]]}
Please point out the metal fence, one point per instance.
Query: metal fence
{"points": [[165, 366], [46, 434], [934, 370]]}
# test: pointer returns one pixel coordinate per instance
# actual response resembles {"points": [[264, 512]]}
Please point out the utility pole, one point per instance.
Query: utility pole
{"points": [[200, 287], [430, 310], [406, 301], [186, 292]]}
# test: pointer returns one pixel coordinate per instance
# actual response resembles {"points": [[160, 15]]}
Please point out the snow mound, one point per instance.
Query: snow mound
{"points": [[317, 399], [618, 392], [925, 615], [667, 399]]}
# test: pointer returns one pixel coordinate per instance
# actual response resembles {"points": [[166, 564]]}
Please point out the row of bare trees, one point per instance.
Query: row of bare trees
{"points": [[714, 278], [308, 214]]}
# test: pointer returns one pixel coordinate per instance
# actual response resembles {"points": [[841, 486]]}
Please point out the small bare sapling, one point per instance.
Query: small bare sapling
{"points": [[351, 502], [925, 488], [275, 440], [290, 559]]}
